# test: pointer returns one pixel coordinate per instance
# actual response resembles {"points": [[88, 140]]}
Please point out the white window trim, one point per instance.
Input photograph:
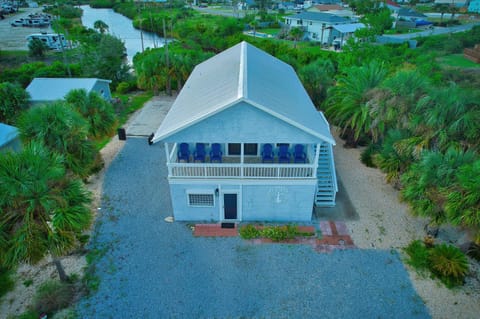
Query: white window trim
{"points": [[200, 192]]}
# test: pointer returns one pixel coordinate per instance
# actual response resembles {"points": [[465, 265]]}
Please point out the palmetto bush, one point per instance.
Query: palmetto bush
{"points": [[99, 113], [62, 130], [449, 264]]}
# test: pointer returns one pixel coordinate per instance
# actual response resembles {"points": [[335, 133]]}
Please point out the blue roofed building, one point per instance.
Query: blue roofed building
{"points": [[9, 138], [244, 142], [45, 90], [474, 6]]}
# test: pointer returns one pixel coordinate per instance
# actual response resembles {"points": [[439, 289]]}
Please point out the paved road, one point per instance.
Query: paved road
{"points": [[434, 31], [149, 118]]}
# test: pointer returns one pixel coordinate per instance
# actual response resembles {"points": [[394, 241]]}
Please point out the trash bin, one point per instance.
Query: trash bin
{"points": [[122, 136], [150, 139]]}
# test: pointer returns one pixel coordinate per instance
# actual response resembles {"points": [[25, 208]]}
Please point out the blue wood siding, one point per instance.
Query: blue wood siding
{"points": [[242, 123], [277, 202], [269, 202], [102, 85]]}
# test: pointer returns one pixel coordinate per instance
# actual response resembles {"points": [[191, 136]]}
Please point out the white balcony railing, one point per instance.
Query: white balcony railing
{"points": [[224, 170]]}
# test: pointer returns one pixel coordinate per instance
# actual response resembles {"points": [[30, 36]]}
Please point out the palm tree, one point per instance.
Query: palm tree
{"points": [[148, 69], [427, 182], [13, 100], [254, 25], [296, 34], [463, 199], [100, 26], [37, 48], [448, 116], [394, 102], [62, 130], [317, 78], [347, 105], [98, 112], [42, 210]]}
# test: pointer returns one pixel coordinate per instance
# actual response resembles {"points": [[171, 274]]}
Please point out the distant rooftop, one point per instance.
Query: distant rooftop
{"points": [[53, 89], [319, 16]]}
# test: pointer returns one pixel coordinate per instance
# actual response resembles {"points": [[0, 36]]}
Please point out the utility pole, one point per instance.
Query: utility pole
{"points": [[63, 49], [169, 91]]}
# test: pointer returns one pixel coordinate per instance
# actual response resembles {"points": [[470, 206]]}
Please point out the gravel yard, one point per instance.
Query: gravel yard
{"points": [[14, 38], [154, 269]]}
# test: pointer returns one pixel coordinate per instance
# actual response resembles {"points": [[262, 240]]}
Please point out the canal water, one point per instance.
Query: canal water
{"points": [[121, 27]]}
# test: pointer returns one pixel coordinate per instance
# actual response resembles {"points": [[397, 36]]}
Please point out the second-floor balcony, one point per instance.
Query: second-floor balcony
{"points": [[242, 160]]}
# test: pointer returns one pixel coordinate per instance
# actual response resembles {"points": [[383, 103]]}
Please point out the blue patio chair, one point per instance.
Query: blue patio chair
{"points": [[183, 153], [283, 154], [299, 155], [267, 153], [199, 154], [216, 153]]}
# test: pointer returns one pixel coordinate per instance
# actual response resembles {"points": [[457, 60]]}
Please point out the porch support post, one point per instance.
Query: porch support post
{"points": [[167, 153], [317, 156], [241, 159]]}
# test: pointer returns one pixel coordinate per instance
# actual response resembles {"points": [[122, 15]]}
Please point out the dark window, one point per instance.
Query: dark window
{"points": [[248, 148]]}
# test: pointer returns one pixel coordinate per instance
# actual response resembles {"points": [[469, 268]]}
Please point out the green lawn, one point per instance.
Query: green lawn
{"points": [[458, 61], [272, 31]]}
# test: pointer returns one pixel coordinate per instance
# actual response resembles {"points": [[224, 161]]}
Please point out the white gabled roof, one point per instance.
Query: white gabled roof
{"points": [[244, 73], [52, 89]]}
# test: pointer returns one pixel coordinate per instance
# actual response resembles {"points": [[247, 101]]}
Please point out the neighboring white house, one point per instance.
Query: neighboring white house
{"points": [[9, 139], [243, 141], [318, 26], [44, 90]]}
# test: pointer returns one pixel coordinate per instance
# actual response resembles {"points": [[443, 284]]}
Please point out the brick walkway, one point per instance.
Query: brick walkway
{"points": [[334, 235]]}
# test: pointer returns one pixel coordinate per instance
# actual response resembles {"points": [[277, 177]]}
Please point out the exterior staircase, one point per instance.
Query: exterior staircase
{"points": [[326, 178]]}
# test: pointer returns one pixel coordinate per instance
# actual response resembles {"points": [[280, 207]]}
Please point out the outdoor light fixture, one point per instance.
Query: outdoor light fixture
{"points": [[216, 192]]}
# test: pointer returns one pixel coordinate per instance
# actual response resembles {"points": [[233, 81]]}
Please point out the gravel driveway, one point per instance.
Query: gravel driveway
{"points": [[153, 269]]}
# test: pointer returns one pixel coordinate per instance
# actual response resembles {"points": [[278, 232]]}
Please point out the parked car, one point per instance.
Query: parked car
{"points": [[17, 23]]}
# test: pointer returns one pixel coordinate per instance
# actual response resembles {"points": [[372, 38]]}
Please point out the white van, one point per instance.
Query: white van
{"points": [[51, 40]]}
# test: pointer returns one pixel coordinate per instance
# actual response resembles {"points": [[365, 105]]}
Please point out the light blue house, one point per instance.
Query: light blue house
{"points": [[474, 6], [9, 138], [244, 142], [45, 90]]}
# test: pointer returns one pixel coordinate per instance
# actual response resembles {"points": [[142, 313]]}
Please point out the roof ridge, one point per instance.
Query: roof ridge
{"points": [[242, 74]]}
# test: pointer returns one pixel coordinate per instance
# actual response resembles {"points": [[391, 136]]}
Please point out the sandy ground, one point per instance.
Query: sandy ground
{"points": [[14, 38], [383, 222]]}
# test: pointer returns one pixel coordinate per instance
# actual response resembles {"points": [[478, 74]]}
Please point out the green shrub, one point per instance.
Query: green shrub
{"points": [[52, 296], [29, 314], [367, 154], [249, 232], [449, 264], [474, 251], [6, 281], [123, 87], [418, 254], [279, 233]]}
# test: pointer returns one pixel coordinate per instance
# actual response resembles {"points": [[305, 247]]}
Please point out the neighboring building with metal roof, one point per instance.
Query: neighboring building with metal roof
{"points": [[44, 90], [318, 26], [9, 138], [245, 142]]}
